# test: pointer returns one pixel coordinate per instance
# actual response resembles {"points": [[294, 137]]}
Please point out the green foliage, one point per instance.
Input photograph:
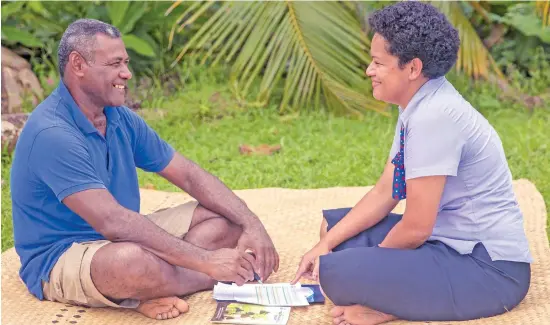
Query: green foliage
{"points": [[473, 57], [524, 32], [35, 28], [270, 40], [318, 50], [523, 17], [204, 122], [7, 226], [533, 77]]}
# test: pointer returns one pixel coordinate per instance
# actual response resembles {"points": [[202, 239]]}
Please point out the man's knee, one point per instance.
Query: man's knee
{"points": [[214, 233], [120, 270]]}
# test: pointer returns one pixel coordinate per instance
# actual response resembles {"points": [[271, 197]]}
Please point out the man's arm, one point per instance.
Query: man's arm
{"points": [[208, 190], [116, 223], [416, 226], [370, 210], [211, 193]]}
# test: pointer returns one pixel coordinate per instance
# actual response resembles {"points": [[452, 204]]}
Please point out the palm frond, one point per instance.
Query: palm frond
{"points": [[478, 7], [473, 57], [313, 50], [543, 8]]}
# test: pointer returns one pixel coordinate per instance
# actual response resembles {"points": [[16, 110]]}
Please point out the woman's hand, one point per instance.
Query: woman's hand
{"points": [[309, 266]]}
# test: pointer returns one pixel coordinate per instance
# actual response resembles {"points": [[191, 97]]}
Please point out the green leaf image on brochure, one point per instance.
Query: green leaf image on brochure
{"points": [[239, 313]]}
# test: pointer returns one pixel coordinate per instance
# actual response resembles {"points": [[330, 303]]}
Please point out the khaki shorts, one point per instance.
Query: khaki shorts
{"points": [[71, 280]]}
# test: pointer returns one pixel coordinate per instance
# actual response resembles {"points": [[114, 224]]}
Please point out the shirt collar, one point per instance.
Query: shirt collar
{"points": [[427, 88], [80, 119]]}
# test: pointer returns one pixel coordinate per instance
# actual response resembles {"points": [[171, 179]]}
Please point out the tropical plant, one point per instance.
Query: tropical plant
{"points": [[474, 59], [320, 47], [512, 31], [543, 9], [317, 46], [34, 28]]}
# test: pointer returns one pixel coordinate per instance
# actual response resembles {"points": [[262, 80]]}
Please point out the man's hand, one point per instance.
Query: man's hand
{"points": [[257, 240], [216, 197], [309, 266], [232, 265]]}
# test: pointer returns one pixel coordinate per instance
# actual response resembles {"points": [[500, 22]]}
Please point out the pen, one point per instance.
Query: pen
{"points": [[256, 276]]}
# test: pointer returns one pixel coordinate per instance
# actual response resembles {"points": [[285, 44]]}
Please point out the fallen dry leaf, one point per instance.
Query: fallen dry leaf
{"points": [[263, 149], [149, 186]]}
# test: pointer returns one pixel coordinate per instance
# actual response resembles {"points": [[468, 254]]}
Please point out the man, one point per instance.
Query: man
{"points": [[76, 199]]}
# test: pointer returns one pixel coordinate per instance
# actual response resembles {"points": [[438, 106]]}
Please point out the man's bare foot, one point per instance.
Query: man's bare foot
{"points": [[358, 315], [163, 308]]}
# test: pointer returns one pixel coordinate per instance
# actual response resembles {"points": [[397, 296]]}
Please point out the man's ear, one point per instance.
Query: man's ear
{"points": [[76, 63], [415, 69]]}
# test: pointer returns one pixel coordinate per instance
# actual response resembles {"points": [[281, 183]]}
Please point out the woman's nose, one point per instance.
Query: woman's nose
{"points": [[370, 70]]}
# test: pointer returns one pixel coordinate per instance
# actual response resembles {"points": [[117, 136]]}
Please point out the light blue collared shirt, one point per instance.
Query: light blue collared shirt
{"points": [[445, 135]]}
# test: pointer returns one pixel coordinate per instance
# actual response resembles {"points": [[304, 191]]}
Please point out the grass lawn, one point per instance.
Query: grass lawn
{"points": [[318, 150]]}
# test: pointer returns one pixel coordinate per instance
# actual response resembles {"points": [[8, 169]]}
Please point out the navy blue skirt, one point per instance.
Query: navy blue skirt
{"points": [[431, 283]]}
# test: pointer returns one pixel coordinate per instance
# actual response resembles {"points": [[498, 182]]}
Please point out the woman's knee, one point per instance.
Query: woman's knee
{"points": [[341, 281], [333, 216]]}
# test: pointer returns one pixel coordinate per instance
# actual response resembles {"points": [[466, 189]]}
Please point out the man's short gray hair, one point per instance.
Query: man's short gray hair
{"points": [[80, 37]]}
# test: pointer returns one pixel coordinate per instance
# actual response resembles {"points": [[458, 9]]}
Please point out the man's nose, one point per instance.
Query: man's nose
{"points": [[126, 73]]}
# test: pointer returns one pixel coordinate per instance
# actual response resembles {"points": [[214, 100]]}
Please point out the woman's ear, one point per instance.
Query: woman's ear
{"points": [[415, 69]]}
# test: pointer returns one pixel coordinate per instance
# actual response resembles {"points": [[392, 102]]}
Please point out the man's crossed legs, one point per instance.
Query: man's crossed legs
{"points": [[124, 274]]}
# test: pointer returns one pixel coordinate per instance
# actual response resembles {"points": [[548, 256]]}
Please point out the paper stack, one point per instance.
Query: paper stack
{"points": [[262, 303], [276, 294]]}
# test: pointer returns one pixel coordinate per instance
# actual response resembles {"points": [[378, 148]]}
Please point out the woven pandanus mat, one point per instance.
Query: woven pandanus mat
{"points": [[292, 217]]}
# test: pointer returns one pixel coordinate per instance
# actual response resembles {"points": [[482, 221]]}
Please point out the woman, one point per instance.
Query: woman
{"points": [[459, 251]]}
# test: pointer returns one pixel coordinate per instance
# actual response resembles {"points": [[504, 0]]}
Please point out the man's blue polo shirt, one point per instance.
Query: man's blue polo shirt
{"points": [[60, 152]]}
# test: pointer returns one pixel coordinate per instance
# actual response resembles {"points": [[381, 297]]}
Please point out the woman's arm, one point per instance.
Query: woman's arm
{"points": [[416, 226], [372, 208]]}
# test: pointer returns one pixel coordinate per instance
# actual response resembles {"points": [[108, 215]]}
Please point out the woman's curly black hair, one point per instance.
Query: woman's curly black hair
{"points": [[418, 30]]}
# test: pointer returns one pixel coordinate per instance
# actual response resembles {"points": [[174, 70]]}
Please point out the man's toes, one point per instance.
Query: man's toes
{"points": [[174, 313], [337, 311], [163, 308], [181, 305], [338, 320]]}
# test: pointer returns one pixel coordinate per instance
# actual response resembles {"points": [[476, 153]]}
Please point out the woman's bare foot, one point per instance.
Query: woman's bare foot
{"points": [[337, 314], [163, 308], [359, 315]]}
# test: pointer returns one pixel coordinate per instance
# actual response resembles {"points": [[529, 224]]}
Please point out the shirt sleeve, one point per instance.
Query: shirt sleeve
{"points": [[151, 152], [433, 147], [60, 159]]}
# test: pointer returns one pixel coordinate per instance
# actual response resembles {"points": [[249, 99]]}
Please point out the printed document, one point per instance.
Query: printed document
{"points": [[273, 294]]}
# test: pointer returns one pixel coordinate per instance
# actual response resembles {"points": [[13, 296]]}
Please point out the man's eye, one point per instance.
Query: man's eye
{"points": [[116, 64]]}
